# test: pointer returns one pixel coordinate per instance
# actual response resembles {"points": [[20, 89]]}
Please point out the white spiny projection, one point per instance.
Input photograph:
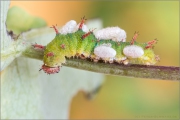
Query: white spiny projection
{"points": [[69, 27], [105, 51], [133, 51], [114, 33]]}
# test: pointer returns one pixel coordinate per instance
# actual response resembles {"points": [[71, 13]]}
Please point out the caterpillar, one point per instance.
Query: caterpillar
{"points": [[108, 44]]}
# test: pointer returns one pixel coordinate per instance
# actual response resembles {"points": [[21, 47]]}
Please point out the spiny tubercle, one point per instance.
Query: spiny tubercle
{"points": [[82, 22], [151, 43], [134, 37], [56, 30], [87, 34]]}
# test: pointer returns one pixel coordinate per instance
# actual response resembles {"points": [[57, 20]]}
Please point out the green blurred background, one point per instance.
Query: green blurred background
{"points": [[123, 97]]}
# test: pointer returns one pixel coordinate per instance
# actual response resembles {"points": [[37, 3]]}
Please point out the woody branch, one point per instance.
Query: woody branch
{"points": [[138, 71]]}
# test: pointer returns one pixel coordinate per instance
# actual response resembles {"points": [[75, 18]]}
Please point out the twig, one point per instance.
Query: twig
{"points": [[139, 71]]}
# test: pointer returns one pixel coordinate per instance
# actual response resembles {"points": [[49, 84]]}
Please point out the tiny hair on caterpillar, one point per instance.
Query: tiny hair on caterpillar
{"points": [[108, 45]]}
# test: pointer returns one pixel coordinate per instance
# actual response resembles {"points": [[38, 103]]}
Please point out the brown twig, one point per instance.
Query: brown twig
{"points": [[139, 71]]}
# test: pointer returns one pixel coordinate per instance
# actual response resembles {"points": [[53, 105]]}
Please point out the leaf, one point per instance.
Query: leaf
{"points": [[27, 93], [19, 20], [5, 39]]}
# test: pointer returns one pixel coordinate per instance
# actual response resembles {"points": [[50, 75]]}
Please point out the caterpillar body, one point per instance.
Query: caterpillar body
{"points": [[107, 44]]}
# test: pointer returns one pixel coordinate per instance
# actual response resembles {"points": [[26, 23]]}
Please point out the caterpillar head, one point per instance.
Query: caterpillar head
{"points": [[50, 70]]}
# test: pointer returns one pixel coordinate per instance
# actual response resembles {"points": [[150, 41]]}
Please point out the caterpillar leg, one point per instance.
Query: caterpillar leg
{"points": [[82, 56], [96, 59], [50, 70], [120, 60], [111, 60], [125, 62]]}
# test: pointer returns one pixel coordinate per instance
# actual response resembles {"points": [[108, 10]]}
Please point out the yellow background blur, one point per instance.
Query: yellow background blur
{"points": [[122, 97]]}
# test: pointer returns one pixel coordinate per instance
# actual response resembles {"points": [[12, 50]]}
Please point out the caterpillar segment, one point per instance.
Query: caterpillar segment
{"points": [[108, 44]]}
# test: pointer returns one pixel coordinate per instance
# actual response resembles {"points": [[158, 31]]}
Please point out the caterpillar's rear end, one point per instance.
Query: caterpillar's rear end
{"points": [[107, 44]]}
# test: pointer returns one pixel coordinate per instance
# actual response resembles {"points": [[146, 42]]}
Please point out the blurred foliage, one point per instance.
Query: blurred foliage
{"points": [[122, 97], [19, 20]]}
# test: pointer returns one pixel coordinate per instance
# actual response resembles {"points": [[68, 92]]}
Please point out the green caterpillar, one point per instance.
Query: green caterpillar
{"points": [[107, 44]]}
